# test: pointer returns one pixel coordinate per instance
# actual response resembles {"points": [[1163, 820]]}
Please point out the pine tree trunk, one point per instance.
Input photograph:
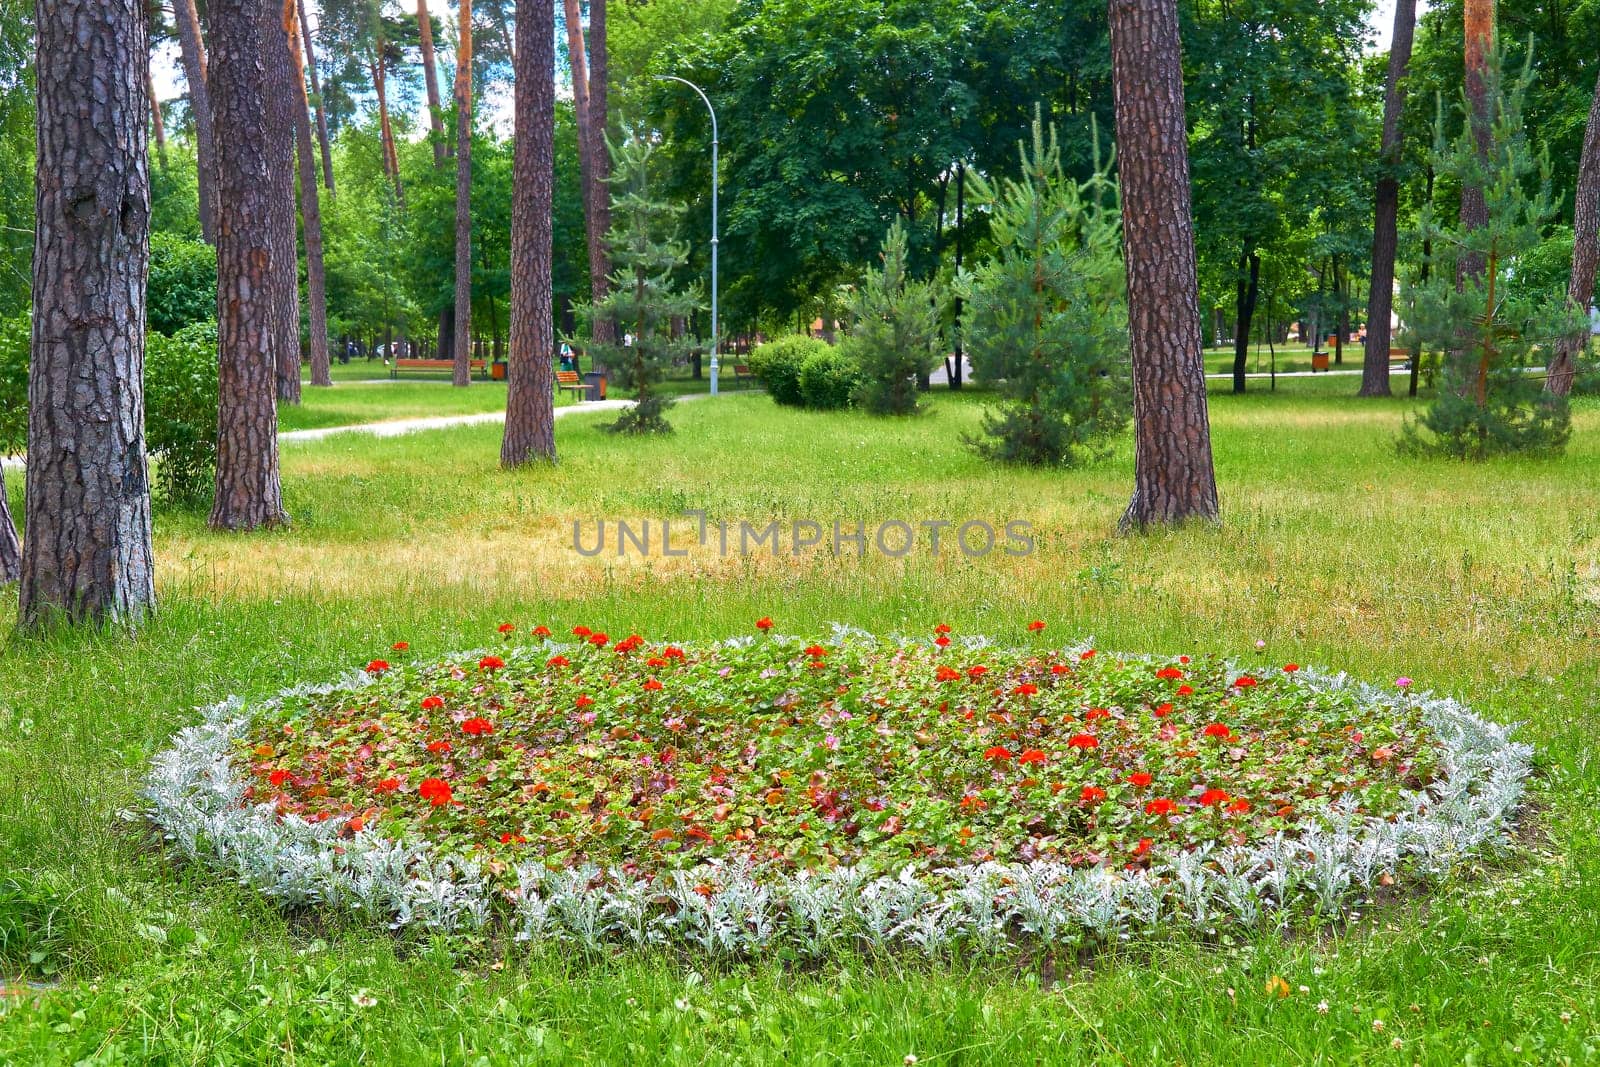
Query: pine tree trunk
{"points": [[281, 95], [310, 208], [391, 160], [1386, 208], [430, 76], [248, 493], [605, 330], [1478, 24], [10, 547], [1585, 253], [530, 432], [316, 90], [463, 314], [1173, 475], [580, 108], [87, 556], [192, 49], [157, 128]]}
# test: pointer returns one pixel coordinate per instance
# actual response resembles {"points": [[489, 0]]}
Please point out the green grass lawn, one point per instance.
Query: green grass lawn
{"points": [[1481, 581]]}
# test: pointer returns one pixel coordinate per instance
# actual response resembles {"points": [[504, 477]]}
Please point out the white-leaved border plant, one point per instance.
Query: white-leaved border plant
{"points": [[196, 796]]}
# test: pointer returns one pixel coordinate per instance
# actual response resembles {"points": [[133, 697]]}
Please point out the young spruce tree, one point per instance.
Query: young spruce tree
{"points": [[894, 331], [642, 301], [1489, 327], [1047, 314]]}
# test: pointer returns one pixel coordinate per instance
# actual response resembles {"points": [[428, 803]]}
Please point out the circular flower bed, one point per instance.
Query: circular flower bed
{"points": [[768, 791]]}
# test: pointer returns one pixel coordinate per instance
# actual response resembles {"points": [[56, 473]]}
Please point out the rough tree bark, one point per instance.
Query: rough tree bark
{"points": [[192, 50], [248, 493], [1386, 208], [1478, 23], [430, 77], [316, 91], [530, 433], [580, 107], [461, 346], [1247, 294], [10, 547], [158, 129], [1173, 475], [310, 206], [87, 557], [281, 100], [605, 330], [1585, 253]]}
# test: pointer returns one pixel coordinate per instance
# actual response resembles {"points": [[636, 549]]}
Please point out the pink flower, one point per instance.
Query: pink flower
{"points": [[1403, 682]]}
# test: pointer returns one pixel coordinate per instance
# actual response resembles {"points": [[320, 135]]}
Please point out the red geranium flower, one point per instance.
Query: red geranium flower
{"points": [[672, 652], [377, 666], [1239, 806], [599, 639], [977, 672], [429, 703], [1142, 847], [1163, 711], [278, 777], [1169, 672], [1139, 778], [1097, 713], [764, 623], [388, 785], [942, 641], [1183, 659], [652, 685], [506, 627], [997, 752], [438, 746], [491, 663], [816, 651], [510, 838], [400, 646], [1085, 741], [1185, 690], [1035, 626], [477, 726], [1026, 689], [941, 629], [1290, 668], [946, 674], [1088, 655], [1160, 806], [1032, 755], [541, 631], [1217, 729], [557, 661], [1244, 681], [435, 791], [1091, 794], [581, 631], [1213, 796], [584, 700]]}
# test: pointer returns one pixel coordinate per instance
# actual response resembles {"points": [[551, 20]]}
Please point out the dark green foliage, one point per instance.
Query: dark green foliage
{"points": [[1047, 314], [180, 412], [180, 405], [778, 363], [183, 283], [829, 379], [643, 301], [894, 328], [1490, 327]]}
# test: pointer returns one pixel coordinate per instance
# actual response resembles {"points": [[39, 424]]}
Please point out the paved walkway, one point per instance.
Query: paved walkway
{"points": [[396, 427]]}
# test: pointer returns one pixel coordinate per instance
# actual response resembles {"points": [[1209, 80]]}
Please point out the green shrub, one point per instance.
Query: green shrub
{"points": [[183, 283], [829, 379], [180, 412], [15, 341], [777, 364]]}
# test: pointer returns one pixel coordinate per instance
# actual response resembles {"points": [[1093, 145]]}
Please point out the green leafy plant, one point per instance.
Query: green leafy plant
{"points": [[829, 379], [183, 283], [1047, 313], [777, 364], [1480, 310], [894, 330], [644, 300], [180, 412]]}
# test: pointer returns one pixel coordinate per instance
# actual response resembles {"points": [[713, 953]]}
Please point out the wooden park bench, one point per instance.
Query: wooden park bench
{"points": [[568, 379], [478, 365], [742, 373], [1400, 356]]}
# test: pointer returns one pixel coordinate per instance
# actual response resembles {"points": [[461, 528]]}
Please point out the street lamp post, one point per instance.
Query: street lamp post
{"points": [[716, 338]]}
